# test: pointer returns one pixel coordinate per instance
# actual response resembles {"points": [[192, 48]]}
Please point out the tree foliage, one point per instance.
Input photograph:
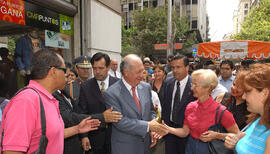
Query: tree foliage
{"points": [[257, 24], [149, 27]]}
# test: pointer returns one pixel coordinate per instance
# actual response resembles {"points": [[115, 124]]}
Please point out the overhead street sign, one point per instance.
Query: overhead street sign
{"points": [[165, 46]]}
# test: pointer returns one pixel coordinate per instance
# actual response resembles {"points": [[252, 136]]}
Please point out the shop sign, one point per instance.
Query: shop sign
{"points": [[66, 24], [12, 11], [57, 40], [40, 17]]}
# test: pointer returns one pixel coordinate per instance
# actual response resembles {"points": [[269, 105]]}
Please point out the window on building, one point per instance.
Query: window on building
{"points": [[194, 2], [245, 18], [130, 6], [246, 5], [154, 3], [187, 1], [246, 12], [194, 24], [145, 4]]}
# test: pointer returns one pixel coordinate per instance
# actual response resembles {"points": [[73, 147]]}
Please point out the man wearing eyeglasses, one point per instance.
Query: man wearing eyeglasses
{"points": [[226, 79], [21, 125]]}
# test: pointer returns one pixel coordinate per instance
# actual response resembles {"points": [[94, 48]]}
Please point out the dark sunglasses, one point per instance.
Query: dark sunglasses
{"points": [[60, 68]]}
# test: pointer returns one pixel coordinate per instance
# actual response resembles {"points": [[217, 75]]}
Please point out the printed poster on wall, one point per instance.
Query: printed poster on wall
{"points": [[66, 24], [12, 11], [57, 40]]}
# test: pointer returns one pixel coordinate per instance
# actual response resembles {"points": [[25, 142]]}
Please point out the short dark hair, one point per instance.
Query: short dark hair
{"points": [[98, 56], [42, 61], [227, 61], [179, 57], [68, 65]]}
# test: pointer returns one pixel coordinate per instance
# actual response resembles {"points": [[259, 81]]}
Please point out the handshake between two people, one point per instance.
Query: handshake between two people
{"points": [[158, 130]]}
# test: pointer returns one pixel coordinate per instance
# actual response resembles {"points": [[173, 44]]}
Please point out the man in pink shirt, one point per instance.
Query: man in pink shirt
{"points": [[21, 125]]}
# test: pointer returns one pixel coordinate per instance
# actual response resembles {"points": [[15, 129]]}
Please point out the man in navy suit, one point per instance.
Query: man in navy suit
{"points": [[177, 94], [91, 101]]}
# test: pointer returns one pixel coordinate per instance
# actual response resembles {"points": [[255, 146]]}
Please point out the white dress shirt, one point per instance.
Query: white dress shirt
{"points": [[182, 88], [128, 86], [118, 74], [106, 83]]}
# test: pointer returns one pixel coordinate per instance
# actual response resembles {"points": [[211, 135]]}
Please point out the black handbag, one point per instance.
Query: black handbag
{"points": [[216, 146], [43, 139]]}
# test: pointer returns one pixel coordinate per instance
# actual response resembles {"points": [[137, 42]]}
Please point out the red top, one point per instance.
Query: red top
{"points": [[22, 126], [200, 116]]}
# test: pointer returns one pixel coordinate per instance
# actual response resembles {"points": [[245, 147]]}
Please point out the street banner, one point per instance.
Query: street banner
{"points": [[56, 40], [165, 46], [12, 11], [40, 17]]}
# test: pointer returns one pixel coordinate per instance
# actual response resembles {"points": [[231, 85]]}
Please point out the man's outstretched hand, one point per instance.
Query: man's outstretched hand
{"points": [[112, 116], [158, 128], [88, 124]]}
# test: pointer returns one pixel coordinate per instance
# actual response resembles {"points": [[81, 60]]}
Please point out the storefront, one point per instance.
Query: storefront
{"points": [[19, 17], [34, 25]]}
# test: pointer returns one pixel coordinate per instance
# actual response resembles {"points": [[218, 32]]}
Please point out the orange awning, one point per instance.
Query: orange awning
{"points": [[234, 49]]}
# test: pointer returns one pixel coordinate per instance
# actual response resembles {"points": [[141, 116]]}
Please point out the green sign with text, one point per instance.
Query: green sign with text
{"points": [[66, 24]]}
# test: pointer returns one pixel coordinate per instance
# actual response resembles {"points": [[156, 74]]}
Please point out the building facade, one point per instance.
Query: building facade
{"points": [[94, 25], [240, 15], [101, 27], [195, 10]]}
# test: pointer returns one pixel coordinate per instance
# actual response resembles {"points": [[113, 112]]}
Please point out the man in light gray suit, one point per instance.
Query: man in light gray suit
{"points": [[131, 97]]}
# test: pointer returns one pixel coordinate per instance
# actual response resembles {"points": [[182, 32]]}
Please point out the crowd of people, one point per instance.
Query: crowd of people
{"points": [[91, 107]]}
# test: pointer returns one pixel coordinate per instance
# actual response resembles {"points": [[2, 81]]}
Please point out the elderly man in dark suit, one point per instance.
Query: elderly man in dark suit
{"points": [[177, 94], [91, 101], [131, 97]]}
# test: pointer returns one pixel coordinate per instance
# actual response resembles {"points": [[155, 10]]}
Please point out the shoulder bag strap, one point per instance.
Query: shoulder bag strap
{"points": [[219, 121], [217, 115], [42, 114]]}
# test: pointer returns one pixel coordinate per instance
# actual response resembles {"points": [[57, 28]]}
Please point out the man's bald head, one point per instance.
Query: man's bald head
{"points": [[128, 62], [132, 69]]}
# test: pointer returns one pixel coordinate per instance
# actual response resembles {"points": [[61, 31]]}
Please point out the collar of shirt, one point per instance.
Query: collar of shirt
{"points": [[118, 74], [128, 86], [182, 86], [231, 78], [41, 89], [205, 104], [106, 83]]}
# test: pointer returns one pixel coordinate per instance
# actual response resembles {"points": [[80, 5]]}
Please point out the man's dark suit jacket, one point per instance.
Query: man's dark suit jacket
{"points": [[71, 117], [166, 103], [91, 101]]}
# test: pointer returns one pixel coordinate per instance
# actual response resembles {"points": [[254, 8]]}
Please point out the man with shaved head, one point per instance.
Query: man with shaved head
{"points": [[132, 98]]}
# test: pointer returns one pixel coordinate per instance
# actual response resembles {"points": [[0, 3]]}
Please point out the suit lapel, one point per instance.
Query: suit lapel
{"points": [[170, 92], [186, 93], [97, 91], [142, 98], [128, 99]]}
